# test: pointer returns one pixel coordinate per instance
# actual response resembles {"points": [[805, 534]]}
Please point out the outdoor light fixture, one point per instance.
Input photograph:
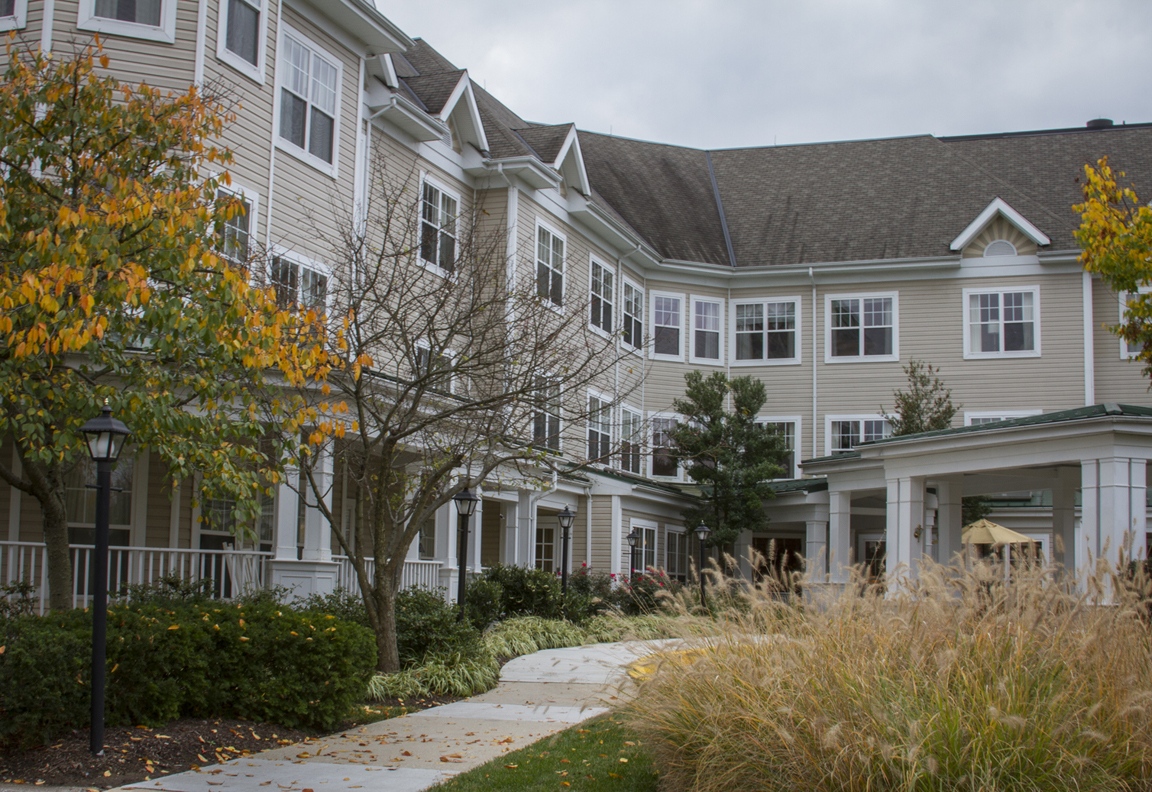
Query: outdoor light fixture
{"points": [[702, 534], [466, 506], [633, 541], [106, 437], [565, 517]]}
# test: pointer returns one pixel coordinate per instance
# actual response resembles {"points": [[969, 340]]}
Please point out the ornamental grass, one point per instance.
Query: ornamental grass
{"points": [[957, 682]]}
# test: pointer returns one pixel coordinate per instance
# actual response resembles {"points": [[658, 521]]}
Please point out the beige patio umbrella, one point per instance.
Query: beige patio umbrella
{"points": [[986, 532]]}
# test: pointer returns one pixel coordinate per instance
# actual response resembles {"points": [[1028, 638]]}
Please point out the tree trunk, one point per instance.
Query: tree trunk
{"points": [[387, 655], [48, 489]]}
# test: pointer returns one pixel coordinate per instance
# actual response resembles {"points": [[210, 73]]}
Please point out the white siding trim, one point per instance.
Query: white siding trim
{"points": [[165, 32]]}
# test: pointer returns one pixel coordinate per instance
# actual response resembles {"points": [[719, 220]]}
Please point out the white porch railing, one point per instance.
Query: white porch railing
{"points": [[425, 574], [232, 572]]}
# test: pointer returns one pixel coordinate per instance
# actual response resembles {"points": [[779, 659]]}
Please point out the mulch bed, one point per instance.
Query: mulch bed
{"points": [[133, 754]]}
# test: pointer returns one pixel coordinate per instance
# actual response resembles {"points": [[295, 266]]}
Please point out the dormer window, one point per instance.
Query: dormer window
{"points": [[1001, 247]]}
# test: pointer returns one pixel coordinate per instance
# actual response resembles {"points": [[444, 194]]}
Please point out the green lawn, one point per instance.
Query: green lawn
{"points": [[595, 755]]}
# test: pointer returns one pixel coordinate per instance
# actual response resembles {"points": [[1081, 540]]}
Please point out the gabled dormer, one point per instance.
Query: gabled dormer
{"points": [[448, 97], [999, 231], [559, 147]]}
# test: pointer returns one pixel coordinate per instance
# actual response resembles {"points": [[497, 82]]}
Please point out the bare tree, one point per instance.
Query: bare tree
{"points": [[456, 373]]}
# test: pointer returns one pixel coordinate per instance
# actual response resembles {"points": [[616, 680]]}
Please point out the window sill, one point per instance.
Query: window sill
{"points": [[327, 168], [862, 359], [238, 64], [1001, 355], [115, 27], [770, 362]]}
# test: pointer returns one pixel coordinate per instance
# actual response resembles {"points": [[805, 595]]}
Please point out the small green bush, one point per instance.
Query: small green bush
{"points": [[483, 603], [644, 593], [341, 603], [526, 592], [589, 594], [426, 626]]}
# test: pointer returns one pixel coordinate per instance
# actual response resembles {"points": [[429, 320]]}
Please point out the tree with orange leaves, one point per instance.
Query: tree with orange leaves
{"points": [[1115, 237], [113, 289]]}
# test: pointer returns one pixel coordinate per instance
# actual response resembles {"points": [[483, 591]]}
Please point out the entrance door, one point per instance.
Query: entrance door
{"points": [[872, 552]]}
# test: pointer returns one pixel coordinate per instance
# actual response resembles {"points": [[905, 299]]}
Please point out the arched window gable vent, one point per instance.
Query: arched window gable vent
{"points": [[1001, 247]]}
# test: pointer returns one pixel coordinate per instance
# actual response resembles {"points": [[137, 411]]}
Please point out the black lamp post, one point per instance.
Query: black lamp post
{"points": [[565, 517], [466, 506], [105, 437], [633, 540], [702, 534]]}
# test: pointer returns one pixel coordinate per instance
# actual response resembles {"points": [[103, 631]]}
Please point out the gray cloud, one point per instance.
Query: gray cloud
{"points": [[732, 73]]}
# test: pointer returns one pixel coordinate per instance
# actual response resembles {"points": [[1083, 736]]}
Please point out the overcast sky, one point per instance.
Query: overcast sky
{"points": [[733, 73]]}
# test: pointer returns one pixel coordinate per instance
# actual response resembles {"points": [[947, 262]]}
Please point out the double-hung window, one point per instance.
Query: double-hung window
{"points": [[599, 428], [646, 547], [297, 284], [1002, 323], [435, 369], [766, 331], [145, 19], [240, 36], [788, 428], [676, 555], [546, 414], [707, 346], [633, 330], [1130, 351], [664, 462], [667, 326], [438, 212], [602, 282], [631, 439], [862, 327], [845, 432], [234, 241], [13, 14], [309, 101], [549, 265]]}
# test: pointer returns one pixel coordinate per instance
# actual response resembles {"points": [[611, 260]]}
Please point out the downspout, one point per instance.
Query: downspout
{"points": [[533, 499], [812, 276], [588, 526], [1089, 348], [46, 23], [201, 42], [272, 152]]}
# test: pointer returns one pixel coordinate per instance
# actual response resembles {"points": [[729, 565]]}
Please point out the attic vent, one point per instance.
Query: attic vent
{"points": [[1099, 123], [1001, 247]]}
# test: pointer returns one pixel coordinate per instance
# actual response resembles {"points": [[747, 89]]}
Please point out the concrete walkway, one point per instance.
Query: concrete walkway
{"points": [[538, 695]]}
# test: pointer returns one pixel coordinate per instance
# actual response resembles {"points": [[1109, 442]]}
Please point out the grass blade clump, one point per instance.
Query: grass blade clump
{"points": [[958, 682]]}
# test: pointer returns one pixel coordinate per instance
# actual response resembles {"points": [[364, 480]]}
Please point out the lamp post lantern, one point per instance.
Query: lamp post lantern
{"points": [[633, 540], [702, 533], [106, 437], [466, 507], [565, 517]]}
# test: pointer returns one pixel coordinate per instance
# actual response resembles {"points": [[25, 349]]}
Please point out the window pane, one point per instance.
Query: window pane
{"points": [[667, 341], [323, 85], [142, 12], [707, 345], [7, 7], [80, 499], [284, 275], [781, 346], [293, 114], [242, 37], [557, 292], [878, 341], [447, 252], [845, 343], [320, 135], [296, 76], [749, 346], [666, 325], [543, 279]]}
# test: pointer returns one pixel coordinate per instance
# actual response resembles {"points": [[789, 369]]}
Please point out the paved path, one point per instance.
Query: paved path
{"points": [[538, 695]]}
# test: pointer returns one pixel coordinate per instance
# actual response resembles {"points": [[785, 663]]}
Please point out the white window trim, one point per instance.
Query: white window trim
{"points": [[560, 417], [225, 55], [551, 229], [612, 450], [1125, 352], [165, 32], [652, 353], [1004, 415], [303, 261], [830, 419], [792, 361], [593, 259], [678, 531], [970, 354], [425, 177], [797, 437], [719, 360], [651, 446], [640, 290], [330, 169], [18, 19], [450, 355], [641, 525], [639, 438], [253, 199], [828, 329]]}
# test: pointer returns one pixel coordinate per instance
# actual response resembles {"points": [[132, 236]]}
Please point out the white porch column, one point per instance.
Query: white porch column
{"points": [[475, 535], [839, 535], [287, 517], [905, 518], [949, 519], [526, 538], [1064, 518], [511, 533], [617, 562], [317, 529], [816, 544], [743, 548], [1122, 514]]}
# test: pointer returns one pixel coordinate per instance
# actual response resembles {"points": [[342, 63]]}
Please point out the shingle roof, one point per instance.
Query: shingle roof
{"points": [[664, 192], [434, 89], [546, 140]]}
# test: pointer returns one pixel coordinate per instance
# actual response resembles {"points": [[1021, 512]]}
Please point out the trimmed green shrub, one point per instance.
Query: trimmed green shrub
{"points": [[589, 593], [427, 625], [341, 603], [644, 593], [526, 592], [483, 603]]}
